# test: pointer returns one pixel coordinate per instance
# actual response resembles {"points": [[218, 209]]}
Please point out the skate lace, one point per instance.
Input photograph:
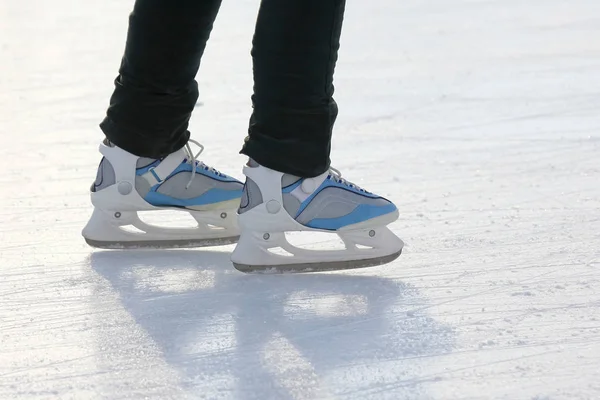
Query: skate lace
{"points": [[193, 159], [336, 176]]}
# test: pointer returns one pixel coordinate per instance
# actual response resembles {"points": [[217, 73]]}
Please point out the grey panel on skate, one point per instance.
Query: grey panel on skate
{"points": [[144, 162], [291, 204], [105, 175], [318, 266], [162, 244], [244, 200], [287, 180], [142, 186], [251, 196], [175, 185], [99, 174], [333, 202]]}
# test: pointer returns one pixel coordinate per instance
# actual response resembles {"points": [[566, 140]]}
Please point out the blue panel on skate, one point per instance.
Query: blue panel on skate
{"points": [[361, 213], [331, 183]]}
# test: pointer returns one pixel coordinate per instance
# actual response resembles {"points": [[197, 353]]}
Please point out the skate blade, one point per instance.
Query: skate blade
{"points": [[316, 267], [161, 244]]}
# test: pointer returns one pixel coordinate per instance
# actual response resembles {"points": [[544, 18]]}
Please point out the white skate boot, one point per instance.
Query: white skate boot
{"points": [[274, 203], [126, 184]]}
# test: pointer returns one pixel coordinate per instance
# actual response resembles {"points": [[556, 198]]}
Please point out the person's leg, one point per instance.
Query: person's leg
{"points": [[290, 185], [148, 164], [155, 91], [295, 49]]}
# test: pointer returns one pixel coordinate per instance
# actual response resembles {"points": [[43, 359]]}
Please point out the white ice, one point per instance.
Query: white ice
{"points": [[479, 118]]}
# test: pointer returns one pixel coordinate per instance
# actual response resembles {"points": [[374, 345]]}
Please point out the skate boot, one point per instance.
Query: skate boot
{"points": [[127, 184], [274, 203]]}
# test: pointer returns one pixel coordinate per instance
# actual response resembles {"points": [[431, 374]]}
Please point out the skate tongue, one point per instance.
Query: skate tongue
{"points": [[193, 160], [336, 176], [211, 169]]}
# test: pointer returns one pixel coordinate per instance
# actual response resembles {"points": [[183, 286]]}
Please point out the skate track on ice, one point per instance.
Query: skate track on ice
{"points": [[481, 119]]}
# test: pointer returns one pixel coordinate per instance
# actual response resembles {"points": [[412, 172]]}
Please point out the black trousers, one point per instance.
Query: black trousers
{"points": [[294, 52]]}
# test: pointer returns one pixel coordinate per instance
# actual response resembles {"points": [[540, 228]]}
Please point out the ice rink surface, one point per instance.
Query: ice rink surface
{"points": [[479, 118]]}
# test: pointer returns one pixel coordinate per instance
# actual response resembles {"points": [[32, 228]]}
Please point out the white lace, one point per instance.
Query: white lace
{"points": [[193, 158], [336, 175]]}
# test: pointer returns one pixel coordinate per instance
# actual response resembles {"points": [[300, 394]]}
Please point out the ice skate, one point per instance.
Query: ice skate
{"points": [[126, 184], [274, 203]]}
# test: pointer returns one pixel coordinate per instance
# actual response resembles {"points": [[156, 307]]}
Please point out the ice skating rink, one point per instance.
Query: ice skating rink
{"points": [[480, 119]]}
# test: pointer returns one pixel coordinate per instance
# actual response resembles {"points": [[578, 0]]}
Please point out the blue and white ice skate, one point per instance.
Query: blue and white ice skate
{"points": [[127, 184], [274, 203]]}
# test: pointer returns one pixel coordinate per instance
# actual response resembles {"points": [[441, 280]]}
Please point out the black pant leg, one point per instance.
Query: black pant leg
{"points": [[156, 90], [295, 49]]}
